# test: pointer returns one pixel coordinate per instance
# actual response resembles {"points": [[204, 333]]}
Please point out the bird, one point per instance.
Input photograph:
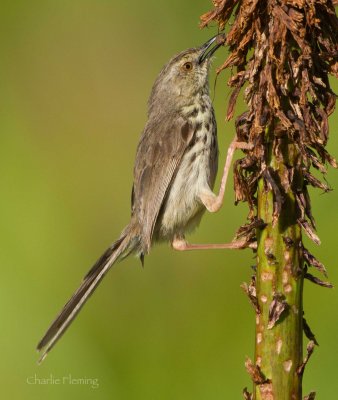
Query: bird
{"points": [[174, 174]]}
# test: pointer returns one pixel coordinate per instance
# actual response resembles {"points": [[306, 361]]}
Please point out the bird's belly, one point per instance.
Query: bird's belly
{"points": [[182, 209]]}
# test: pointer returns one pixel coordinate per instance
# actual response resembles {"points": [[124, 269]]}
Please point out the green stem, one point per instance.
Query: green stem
{"points": [[279, 276]]}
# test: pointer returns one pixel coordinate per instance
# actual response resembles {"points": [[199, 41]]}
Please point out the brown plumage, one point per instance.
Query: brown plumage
{"points": [[174, 173]]}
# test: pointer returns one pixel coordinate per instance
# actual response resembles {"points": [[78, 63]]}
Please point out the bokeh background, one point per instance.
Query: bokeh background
{"points": [[74, 81]]}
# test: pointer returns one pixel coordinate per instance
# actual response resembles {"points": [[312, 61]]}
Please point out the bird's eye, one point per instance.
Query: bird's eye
{"points": [[187, 66]]}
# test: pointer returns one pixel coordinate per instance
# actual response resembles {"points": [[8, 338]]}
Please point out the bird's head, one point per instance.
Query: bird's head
{"points": [[184, 76]]}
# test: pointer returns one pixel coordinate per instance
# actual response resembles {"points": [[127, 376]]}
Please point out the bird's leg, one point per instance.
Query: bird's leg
{"points": [[180, 244], [214, 202]]}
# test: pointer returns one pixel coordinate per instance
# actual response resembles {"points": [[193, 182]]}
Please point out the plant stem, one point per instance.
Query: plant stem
{"points": [[279, 286], [282, 52]]}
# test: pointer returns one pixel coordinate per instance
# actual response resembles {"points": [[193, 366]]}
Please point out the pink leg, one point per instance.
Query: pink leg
{"points": [[181, 245], [212, 202]]}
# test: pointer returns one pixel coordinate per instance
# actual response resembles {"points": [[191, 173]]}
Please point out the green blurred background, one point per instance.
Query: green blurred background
{"points": [[74, 81]]}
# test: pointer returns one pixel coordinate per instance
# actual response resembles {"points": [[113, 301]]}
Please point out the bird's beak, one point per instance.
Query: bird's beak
{"points": [[207, 50]]}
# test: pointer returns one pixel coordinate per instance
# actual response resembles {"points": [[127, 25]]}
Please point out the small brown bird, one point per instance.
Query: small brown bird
{"points": [[174, 173]]}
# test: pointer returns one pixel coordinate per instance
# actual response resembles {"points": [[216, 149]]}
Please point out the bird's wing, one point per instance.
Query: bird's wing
{"points": [[159, 154]]}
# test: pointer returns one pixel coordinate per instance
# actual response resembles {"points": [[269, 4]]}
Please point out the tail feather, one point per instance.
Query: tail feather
{"points": [[118, 250]]}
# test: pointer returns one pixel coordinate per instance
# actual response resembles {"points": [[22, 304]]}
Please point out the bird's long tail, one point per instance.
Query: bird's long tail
{"points": [[125, 245]]}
